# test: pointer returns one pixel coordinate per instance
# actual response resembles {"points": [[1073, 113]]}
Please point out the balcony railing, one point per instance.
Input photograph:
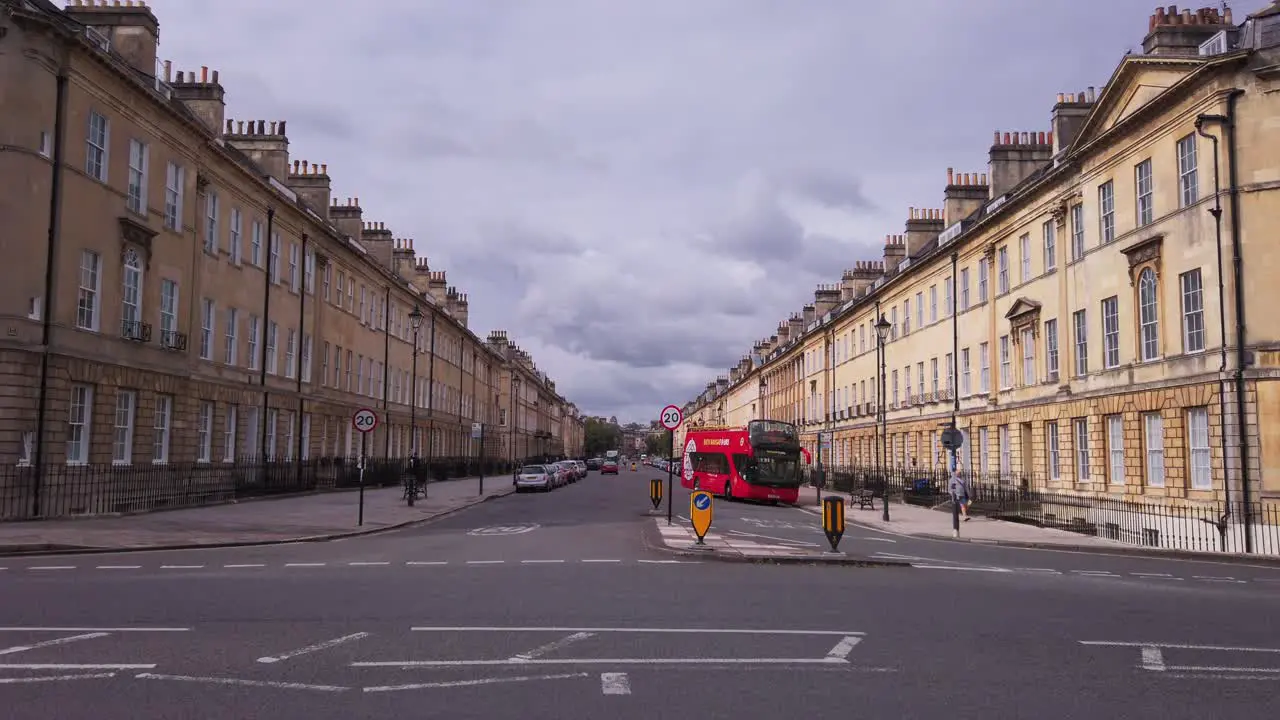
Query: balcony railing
{"points": [[173, 340], [136, 331]]}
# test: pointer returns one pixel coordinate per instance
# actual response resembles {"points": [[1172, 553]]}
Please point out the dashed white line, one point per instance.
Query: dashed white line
{"points": [[313, 648], [485, 562], [238, 681], [74, 666], [245, 565], [601, 561], [1151, 574], [468, 683], [951, 567], [52, 678], [184, 567], [52, 567], [1211, 578], [368, 564], [306, 564], [615, 684], [660, 562], [1095, 573], [51, 643], [427, 562], [1047, 571], [118, 567], [539, 562]]}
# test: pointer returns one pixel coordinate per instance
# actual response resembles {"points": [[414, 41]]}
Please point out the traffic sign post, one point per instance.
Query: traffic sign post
{"points": [[671, 418], [477, 433], [700, 515], [364, 421], [952, 439], [655, 492], [833, 521]]}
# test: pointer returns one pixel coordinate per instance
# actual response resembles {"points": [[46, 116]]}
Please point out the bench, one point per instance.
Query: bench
{"points": [[866, 499]]}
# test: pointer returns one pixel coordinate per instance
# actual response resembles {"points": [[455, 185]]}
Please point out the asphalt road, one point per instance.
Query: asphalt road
{"points": [[549, 606]]}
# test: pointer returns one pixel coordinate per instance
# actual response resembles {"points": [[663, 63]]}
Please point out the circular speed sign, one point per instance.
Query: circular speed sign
{"points": [[671, 417], [364, 420]]}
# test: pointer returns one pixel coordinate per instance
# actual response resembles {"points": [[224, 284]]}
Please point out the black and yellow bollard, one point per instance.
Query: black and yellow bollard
{"points": [[833, 520], [655, 492]]}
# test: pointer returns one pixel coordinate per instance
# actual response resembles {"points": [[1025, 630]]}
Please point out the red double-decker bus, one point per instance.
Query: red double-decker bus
{"points": [[758, 462]]}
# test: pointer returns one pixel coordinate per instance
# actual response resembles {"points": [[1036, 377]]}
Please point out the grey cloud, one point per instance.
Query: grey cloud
{"points": [[833, 189]]}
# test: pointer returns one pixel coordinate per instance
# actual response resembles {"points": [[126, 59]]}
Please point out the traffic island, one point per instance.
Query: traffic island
{"points": [[681, 540]]}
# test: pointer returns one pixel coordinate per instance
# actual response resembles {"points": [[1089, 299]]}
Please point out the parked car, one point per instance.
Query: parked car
{"points": [[562, 474], [609, 468], [594, 463], [538, 477]]}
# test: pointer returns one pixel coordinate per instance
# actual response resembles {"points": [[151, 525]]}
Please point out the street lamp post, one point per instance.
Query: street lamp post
{"points": [[760, 397], [415, 321], [882, 333]]}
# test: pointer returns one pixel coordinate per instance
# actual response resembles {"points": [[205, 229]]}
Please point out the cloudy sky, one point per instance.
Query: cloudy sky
{"points": [[637, 190]]}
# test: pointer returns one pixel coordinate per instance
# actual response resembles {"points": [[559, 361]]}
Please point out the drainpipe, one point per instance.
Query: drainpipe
{"points": [[265, 327], [51, 256], [386, 368], [302, 342]]}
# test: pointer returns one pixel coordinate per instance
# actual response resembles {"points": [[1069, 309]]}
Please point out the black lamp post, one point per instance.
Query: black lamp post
{"points": [[415, 322], [882, 334], [760, 397]]}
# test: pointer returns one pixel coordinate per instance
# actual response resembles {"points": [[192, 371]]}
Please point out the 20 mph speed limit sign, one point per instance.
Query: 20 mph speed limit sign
{"points": [[671, 417], [364, 420]]}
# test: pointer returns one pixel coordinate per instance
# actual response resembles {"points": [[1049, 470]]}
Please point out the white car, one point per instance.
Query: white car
{"points": [[537, 477]]}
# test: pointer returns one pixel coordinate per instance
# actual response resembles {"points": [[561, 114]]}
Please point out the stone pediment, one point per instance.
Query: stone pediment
{"points": [[1137, 82], [1023, 308]]}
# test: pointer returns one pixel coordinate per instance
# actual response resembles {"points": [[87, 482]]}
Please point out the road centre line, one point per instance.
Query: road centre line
{"points": [[485, 562], [245, 565], [238, 681], [93, 629], [427, 562], [52, 567], [52, 678], [468, 683], [50, 643], [952, 567], [76, 666], [605, 661], [679, 631], [313, 648], [306, 564], [1178, 646], [368, 564], [181, 567], [539, 562], [118, 567], [601, 561]]}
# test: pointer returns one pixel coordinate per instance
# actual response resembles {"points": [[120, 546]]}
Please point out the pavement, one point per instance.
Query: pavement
{"points": [[551, 605], [295, 518]]}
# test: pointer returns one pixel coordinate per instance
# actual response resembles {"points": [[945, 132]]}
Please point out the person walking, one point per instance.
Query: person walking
{"points": [[960, 492]]}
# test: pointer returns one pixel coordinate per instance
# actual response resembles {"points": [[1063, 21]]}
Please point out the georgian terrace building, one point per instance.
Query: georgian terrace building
{"points": [[1104, 317], [206, 298]]}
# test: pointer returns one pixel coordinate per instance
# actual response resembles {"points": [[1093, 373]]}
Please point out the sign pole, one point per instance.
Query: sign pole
{"points": [[671, 457], [480, 452], [671, 418], [364, 437], [365, 421]]}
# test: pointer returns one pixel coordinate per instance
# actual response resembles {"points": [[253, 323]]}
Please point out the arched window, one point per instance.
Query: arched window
{"points": [[1148, 315]]}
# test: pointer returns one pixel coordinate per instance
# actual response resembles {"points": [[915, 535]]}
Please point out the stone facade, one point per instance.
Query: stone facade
{"points": [[1066, 306], [207, 297]]}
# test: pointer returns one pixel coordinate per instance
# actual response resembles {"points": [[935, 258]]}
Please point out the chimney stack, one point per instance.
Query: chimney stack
{"points": [[1069, 114], [403, 258], [131, 30], [923, 225], [311, 182], [861, 276], [266, 145], [378, 240], [347, 215], [895, 251], [825, 299], [1180, 33], [1014, 157], [963, 195], [202, 94]]}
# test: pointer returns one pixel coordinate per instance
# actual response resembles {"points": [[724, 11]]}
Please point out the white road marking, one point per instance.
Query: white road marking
{"points": [[368, 564], [485, 562], [238, 681], [605, 661], [788, 541], [601, 561], [875, 539], [1222, 669], [52, 567], [93, 629], [245, 565], [551, 646], [1096, 573], [427, 562], [304, 564], [118, 567], [1221, 676], [183, 567], [1179, 646], [466, 683], [954, 567], [313, 648], [1047, 571], [1151, 574], [76, 666], [539, 562], [1153, 659], [615, 684], [660, 562], [1210, 578], [50, 643], [843, 648], [680, 631], [51, 678]]}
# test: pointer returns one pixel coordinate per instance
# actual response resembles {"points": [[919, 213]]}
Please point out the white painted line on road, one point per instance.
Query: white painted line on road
{"points": [[313, 648], [50, 643], [427, 562], [601, 561], [485, 562], [549, 647], [660, 562], [1219, 669], [51, 678], [605, 661], [1213, 578], [1220, 676], [1179, 646], [76, 666], [954, 567], [1095, 573], [53, 567], [245, 565], [615, 684], [238, 681], [182, 567], [118, 567], [1153, 659], [843, 648], [1151, 574], [1047, 571], [677, 631], [95, 629], [539, 562], [368, 564], [467, 683], [788, 541], [873, 539], [304, 564]]}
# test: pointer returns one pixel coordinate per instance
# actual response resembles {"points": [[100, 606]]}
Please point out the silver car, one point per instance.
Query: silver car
{"points": [[537, 477]]}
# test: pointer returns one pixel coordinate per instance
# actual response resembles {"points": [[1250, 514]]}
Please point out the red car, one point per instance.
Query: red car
{"points": [[609, 468]]}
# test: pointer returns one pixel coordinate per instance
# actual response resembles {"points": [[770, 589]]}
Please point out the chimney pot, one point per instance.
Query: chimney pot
{"points": [[950, 176], [984, 179], [304, 163], [215, 77], [357, 202], [324, 168], [204, 73], [996, 141], [1061, 98], [231, 124], [262, 127], [282, 127], [273, 127], [1007, 139], [180, 77], [295, 167], [168, 70]]}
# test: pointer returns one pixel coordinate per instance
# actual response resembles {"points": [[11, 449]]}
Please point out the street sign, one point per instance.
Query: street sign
{"points": [[364, 420], [700, 513], [477, 431], [833, 520], [952, 438], [655, 492], [671, 417]]}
